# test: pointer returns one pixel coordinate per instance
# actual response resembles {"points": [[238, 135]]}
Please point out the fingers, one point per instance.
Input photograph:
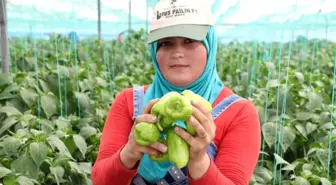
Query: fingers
{"points": [[148, 107], [200, 130], [154, 149], [201, 108], [185, 135], [149, 150], [145, 118], [202, 120], [159, 146]]}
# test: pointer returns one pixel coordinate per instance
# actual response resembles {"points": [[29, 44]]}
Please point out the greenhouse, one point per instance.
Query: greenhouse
{"points": [[64, 63]]}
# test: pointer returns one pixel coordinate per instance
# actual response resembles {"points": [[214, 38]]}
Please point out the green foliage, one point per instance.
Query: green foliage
{"points": [[54, 103]]}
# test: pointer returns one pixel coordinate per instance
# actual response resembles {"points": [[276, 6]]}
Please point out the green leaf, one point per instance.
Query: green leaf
{"points": [[25, 165], [47, 126], [27, 119], [327, 126], [279, 160], [272, 83], [22, 180], [58, 173], [10, 180], [87, 131], [325, 181], [8, 92], [74, 166], [68, 141], [301, 181], [9, 122], [304, 116], [315, 101], [319, 83], [62, 123], [4, 171], [101, 82], [11, 145], [48, 104], [288, 137], [80, 143], [307, 166], [310, 128], [44, 86], [301, 129], [86, 167], [264, 174], [39, 152], [299, 76], [29, 96], [84, 102], [289, 167], [56, 142], [268, 130], [5, 78], [322, 156], [9, 111]]}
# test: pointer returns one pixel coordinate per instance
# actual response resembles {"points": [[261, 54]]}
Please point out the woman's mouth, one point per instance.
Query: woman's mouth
{"points": [[178, 66]]}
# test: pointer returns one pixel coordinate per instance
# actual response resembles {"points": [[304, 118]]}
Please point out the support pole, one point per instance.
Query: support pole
{"points": [[130, 15], [146, 16], [4, 55], [99, 20]]}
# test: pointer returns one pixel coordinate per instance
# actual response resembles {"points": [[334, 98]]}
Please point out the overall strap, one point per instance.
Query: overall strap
{"points": [[138, 93], [218, 109], [224, 104]]}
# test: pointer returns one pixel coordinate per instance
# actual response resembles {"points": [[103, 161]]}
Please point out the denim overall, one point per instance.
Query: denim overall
{"points": [[175, 175]]}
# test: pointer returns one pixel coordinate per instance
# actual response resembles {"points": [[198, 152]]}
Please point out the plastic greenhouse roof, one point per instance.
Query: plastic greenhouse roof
{"points": [[235, 19]]}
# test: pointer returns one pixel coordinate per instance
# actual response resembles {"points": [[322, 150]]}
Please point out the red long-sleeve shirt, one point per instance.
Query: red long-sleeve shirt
{"points": [[238, 139]]}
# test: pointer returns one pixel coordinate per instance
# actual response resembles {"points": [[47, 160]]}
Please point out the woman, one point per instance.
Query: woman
{"points": [[226, 149]]}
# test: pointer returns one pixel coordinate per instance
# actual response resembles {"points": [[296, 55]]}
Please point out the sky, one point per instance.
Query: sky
{"points": [[81, 15]]}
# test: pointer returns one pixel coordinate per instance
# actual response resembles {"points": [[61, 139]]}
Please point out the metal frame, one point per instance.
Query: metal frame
{"points": [[4, 53]]}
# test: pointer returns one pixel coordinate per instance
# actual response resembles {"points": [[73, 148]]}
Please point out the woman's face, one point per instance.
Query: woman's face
{"points": [[181, 60]]}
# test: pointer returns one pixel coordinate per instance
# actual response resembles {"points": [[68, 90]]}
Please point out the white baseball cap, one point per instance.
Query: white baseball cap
{"points": [[180, 18]]}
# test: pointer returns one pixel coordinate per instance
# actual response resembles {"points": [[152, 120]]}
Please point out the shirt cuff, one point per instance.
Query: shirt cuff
{"points": [[209, 177]]}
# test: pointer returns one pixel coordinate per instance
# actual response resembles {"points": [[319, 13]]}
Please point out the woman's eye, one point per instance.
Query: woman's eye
{"points": [[164, 43], [189, 41]]}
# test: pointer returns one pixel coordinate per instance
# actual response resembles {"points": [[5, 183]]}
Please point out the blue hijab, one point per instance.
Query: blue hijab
{"points": [[208, 85]]}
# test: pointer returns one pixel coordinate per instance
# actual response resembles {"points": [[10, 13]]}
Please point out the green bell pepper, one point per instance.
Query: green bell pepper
{"points": [[146, 133], [178, 149], [193, 96], [177, 107], [171, 107]]}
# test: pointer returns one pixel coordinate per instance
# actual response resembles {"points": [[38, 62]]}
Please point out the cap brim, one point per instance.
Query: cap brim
{"points": [[192, 31]]}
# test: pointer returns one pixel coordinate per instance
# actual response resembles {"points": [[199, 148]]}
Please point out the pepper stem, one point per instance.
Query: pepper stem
{"points": [[159, 119]]}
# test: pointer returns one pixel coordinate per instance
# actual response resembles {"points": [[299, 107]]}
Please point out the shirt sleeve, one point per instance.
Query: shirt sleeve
{"points": [[238, 152], [108, 168]]}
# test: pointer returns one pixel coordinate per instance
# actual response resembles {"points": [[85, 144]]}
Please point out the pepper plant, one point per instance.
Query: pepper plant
{"points": [[54, 103]]}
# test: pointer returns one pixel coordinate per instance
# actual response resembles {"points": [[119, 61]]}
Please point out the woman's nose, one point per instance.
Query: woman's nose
{"points": [[177, 54]]}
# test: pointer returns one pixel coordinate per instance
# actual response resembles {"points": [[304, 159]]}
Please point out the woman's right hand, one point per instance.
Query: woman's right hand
{"points": [[132, 152]]}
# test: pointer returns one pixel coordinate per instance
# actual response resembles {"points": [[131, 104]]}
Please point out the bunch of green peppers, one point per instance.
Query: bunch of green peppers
{"points": [[170, 108]]}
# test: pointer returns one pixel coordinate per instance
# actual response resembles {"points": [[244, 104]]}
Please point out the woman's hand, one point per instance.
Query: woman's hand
{"points": [[132, 152], [201, 120]]}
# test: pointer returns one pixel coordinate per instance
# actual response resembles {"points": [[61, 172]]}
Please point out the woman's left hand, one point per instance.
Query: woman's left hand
{"points": [[201, 120]]}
